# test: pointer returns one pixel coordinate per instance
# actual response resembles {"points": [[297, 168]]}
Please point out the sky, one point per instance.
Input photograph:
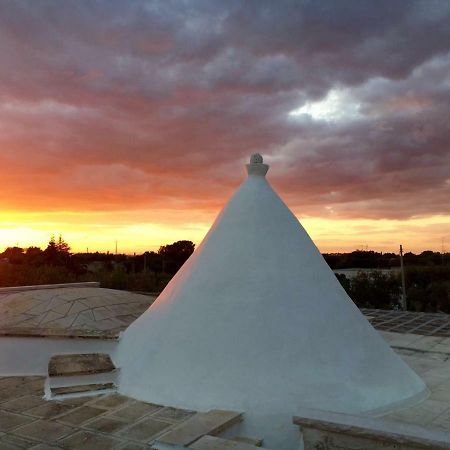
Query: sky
{"points": [[132, 120]]}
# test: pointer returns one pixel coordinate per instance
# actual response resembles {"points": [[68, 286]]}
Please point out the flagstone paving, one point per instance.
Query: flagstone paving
{"points": [[27, 421], [70, 311], [427, 324], [101, 422], [429, 357]]}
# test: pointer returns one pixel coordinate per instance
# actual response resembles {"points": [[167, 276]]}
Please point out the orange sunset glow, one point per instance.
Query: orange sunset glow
{"points": [[131, 122]]}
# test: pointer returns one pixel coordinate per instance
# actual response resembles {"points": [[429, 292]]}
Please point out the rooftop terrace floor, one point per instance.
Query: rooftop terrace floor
{"points": [[429, 357], [27, 421], [70, 312], [427, 324]]}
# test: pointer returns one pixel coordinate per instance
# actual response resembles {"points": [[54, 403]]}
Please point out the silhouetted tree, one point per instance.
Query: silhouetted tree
{"points": [[15, 255], [175, 255], [34, 256], [373, 289], [57, 253]]}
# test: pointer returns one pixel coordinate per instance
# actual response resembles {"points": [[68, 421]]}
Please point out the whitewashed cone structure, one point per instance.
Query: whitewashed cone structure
{"points": [[255, 321]]}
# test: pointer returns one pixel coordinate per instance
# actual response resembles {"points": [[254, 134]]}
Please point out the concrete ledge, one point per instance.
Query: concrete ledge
{"points": [[59, 333], [327, 430], [8, 290]]}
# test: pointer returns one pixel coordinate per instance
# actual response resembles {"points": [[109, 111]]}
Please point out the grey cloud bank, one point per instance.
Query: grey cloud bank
{"points": [[150, 90]]}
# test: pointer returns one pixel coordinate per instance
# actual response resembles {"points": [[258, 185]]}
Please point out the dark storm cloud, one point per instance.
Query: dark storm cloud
{"points": [[127, 104]]}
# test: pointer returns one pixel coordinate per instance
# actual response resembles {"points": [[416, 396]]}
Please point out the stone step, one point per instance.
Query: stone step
{"points": [[248, 440], [80, 364], [82, 388], [212, 422], [215, 443]]}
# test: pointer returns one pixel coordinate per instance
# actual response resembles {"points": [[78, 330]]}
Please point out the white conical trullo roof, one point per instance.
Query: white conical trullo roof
{"points": [[256, 321]]}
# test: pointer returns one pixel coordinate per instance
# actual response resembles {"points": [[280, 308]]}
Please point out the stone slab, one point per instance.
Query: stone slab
{"points": [[50, 410], [87, 440], [80, 364], [11, 442], [111, 401], [215, 443], [44, 430], [23, 403], [9, 421], [175, 414], [107, 425], [80, 415], [146, 430], [135, 410], [201, 424]]}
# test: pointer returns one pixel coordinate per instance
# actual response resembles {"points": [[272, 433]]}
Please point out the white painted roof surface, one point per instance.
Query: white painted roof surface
{"points": [[256, 321]]}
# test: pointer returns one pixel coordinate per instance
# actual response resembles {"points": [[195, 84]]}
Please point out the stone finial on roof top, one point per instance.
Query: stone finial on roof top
{"points": [[256, 166]]}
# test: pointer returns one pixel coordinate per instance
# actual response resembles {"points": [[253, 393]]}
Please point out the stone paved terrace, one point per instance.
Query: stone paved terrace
{"points": [[27, 421], [427, 324], [102, 422], [429, 356], [69, 311]]}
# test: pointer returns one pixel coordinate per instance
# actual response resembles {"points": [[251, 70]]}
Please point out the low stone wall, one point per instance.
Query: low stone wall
{"points": [[8, 290], [324, 430]]}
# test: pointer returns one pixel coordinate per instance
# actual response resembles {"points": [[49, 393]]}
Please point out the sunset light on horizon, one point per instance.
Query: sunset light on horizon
{"points": [[132, 121]]}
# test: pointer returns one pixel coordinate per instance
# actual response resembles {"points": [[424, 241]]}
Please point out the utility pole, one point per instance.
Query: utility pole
{"points": [[442, 251], [116, 246], [402, 269]]}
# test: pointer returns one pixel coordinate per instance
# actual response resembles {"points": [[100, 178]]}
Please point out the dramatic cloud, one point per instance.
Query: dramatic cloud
{"points": [[132, 105]]}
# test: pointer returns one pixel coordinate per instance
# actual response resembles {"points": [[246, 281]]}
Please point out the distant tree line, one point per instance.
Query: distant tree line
{"points": [[362, 259], [150, 271], [427, 277], [427, 274], [427, 288]]}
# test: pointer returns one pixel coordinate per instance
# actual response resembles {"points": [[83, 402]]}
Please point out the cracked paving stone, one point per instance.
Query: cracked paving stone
{"points": [[146, 430], [135, 411], [9, 421], [111, 401], [175, 414], [11, 442], [80, 415], [107, 425], [23, 403], [88, 440], [44, 430], [50, 410]]}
